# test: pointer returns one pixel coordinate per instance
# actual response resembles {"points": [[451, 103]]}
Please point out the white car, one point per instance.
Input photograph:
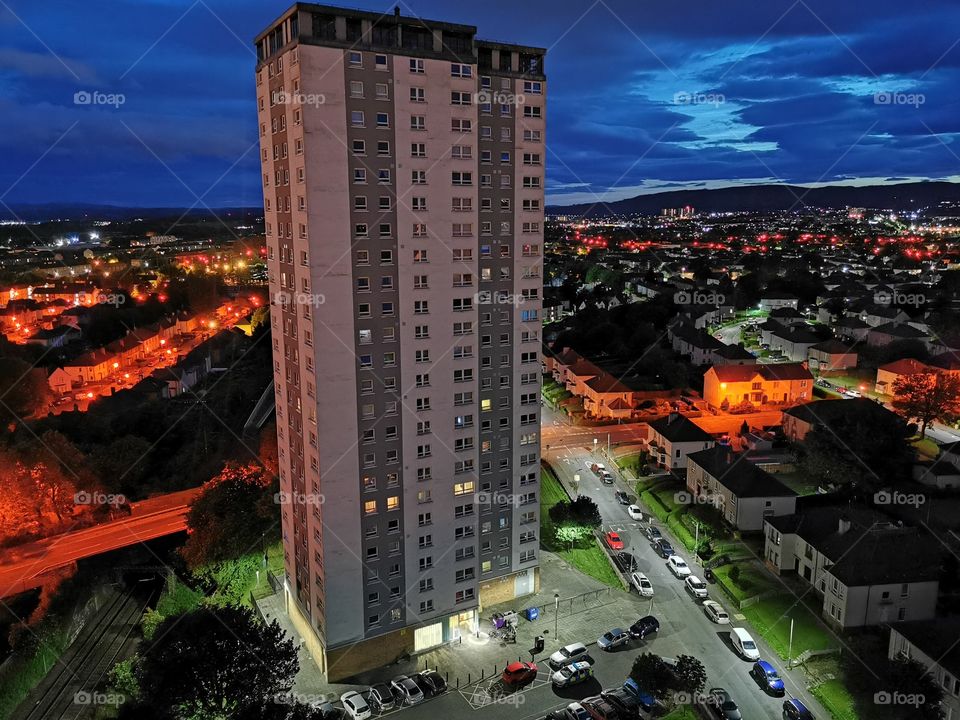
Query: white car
{"points": [[642, 584], [678, 566], [568, 654], [635, 512], [715, 612], [355, 705], [695, 586]]}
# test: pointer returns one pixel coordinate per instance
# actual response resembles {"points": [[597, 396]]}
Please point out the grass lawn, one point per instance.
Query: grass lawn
{"points": [[684, 712], [797, 481], [591, 559], [749, 583], [21, 674], [835, 698], [771, 617], [926, 447]]}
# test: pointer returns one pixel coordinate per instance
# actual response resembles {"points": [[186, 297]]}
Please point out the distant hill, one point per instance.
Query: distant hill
{"points": [[75, 211], [771, 198]]}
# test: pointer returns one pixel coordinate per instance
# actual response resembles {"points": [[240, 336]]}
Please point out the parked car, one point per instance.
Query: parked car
{"points": [[653, 533], [744, 644], [613, 541], [722, 705], [600, 708], [626, 704], [431, 682], [573, 711], [647, 701], [695, 586], [381, 698], [328, 711], [664, 548], [613, 639], [567, 654], [767, 678], [635, 512], [598, 468], [406, 691], [355, 706], [626, 562], [622, 497], [519, 674], [715, 612], [572, 674], [678, 566], [793, 709], [642, 584], [646, 625], [606, 478]]}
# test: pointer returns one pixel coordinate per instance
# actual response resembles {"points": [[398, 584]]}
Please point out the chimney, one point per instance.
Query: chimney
{"points": [[844, 524]]}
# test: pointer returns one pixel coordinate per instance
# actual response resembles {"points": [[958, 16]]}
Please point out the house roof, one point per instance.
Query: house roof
{"points": [[767, 371], [607, 383], [786, 312], [734, 352], [778, 296], [824, 412], [739, 475], [677, 428], [697, 337], [946, 361], [900, 330], [851, 323], [906, 366], [833, 347], [936, 639]]}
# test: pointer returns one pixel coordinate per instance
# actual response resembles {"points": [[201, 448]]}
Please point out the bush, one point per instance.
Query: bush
{"points": [[123, 679]]}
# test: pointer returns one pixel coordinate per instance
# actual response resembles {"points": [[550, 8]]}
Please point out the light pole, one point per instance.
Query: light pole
{"points": [[576, 484], [556, 615], [790, 647]]}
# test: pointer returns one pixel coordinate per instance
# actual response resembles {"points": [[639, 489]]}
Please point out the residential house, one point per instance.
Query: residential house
{"points": [[696, 344], [836, 550], [895, 332], [944, 471], [794, 343], [60, 381], [773, 300], [733, 355], [851, 328], [888, 374], [831, 355], [727, 386], [876, 315], [55, 337], [673, 438], [933, 644], [742, 493], [90, 367], [830, 414]]}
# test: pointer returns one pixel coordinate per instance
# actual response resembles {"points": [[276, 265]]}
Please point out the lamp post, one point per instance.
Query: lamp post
{"points": [[556, 615], [790, 647], [576, 484]]}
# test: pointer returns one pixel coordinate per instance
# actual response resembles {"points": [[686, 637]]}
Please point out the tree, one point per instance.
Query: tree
{"points": [[232, 514], [582, 512], [23, 389], [691, 675], [212, 661], [571, 535], [653, 675], [927, 397], [913, 680]]}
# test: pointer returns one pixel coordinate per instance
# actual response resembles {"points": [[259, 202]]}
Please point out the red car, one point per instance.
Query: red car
{"points": [[518, 674], [613, 541]]}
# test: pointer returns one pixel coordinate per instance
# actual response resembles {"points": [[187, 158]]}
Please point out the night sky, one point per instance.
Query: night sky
{"points": [[644, 94]]}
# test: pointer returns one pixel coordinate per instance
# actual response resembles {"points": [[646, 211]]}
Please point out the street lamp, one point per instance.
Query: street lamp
{"points": [[556, 615], [576, 483]]}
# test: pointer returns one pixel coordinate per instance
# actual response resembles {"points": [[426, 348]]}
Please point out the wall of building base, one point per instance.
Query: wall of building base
{"points": [[502, 589], [345, 662], [307, 634]]}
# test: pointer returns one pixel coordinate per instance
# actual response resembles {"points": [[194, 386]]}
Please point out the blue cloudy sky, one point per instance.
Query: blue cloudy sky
{"points": [[644, 96]]}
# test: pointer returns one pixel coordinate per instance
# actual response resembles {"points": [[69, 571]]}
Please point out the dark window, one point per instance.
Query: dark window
{"points": [[415, 38], [324, 27]]}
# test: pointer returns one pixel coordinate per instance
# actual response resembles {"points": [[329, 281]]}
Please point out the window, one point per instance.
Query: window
{"points": [[418, 177], [465, 595], [356, 118], [418, 122], [356, 89], [418, 150], [416, 66], [460, 70], [461, 125], [418, 95], [462, 178]]}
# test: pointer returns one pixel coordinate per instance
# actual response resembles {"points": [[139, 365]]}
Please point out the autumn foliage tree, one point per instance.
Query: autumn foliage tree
{"points": [[232, 514], [927, 397]]}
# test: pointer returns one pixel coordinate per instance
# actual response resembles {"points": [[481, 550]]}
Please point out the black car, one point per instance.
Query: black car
{"points": [[623, 498], [664, 548], [653, 533], [381, 698], [645, 626], [722, 705], [433, 680], [626, 704], [626, 562]]}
